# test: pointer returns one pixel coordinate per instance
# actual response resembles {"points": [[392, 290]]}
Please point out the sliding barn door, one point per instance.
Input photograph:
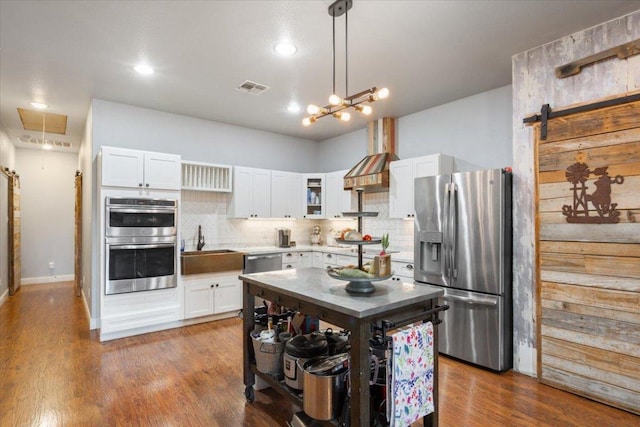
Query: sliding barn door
{"points": [[78, 235], [588, 235], [15, 263]]}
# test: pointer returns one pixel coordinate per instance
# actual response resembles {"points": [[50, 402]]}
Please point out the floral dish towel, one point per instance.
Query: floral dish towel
{"points": [[412, 375]]}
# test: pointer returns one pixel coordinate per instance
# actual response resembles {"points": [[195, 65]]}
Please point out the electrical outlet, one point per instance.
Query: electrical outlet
{"points": [[51, 264]]}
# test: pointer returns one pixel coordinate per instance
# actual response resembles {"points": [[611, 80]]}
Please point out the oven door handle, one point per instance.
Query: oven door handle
{"points": [[140, 210], [150, 246]]}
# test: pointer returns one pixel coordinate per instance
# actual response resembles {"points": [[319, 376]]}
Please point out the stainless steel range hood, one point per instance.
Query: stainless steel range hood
{"points": [[372, 172]]}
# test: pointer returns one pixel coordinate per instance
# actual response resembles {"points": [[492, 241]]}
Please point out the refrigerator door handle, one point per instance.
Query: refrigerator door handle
{"points": [[445, 230], [476, 301], [454, 230]]}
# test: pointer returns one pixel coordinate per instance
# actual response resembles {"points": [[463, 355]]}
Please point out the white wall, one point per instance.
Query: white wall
{"points": [[477, 131], [47, 214], [122, 125], [90, 261], [7, 151], [535, 84]]}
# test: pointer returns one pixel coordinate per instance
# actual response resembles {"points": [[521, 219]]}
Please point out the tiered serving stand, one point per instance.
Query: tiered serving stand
{"points": [[359, 285]]}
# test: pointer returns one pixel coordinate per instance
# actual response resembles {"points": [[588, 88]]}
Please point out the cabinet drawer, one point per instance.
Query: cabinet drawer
{"points": [[402, 269]]}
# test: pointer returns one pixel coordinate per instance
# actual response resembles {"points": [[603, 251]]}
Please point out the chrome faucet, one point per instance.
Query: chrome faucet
{"points": [[200, 239]]}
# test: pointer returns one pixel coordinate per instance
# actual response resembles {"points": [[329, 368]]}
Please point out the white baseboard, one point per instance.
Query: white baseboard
{"points": [[164, 326], [46, 279], [4, 297], [93, 322]]}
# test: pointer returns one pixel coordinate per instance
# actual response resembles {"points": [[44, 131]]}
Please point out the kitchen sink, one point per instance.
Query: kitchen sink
{"points": [[212, 261]]}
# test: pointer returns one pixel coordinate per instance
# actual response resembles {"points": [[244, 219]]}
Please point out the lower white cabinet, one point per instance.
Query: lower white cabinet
{"points": [[289, 260], [305, 259], [402, 271], [317, 259], [211, 293]]}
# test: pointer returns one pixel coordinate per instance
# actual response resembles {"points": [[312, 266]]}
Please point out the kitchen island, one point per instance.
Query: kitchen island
{"points": [[311, 291]]}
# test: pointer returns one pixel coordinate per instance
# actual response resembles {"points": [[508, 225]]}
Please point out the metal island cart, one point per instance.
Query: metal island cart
{"points": [[313, 292]]}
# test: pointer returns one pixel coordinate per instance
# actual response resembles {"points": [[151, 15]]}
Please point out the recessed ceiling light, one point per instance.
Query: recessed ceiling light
{"points": [[143, 69], [285, 49], [293, 108], [39, 105]]}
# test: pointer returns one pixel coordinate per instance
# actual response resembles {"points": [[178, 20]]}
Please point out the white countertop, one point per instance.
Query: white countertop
{"points": [[342, 250], [315, 286]]}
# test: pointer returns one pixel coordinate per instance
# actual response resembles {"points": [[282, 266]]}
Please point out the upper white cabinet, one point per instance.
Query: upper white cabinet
{"points": [[314, 195], [251, 197], [123, 167], [338, 200], [403, 172], [286, 188]]}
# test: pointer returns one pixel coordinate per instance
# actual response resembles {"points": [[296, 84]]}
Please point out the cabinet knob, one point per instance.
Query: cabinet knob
{"points": [[217, 284], [140, 184], [212, 285], [147, 185], [409, 267]]}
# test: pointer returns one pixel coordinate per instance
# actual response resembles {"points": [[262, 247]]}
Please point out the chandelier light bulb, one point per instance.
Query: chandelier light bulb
{"points": [[309, 120], [364, 109], [383, 93], [335, 100], [313, 109], [345, 117]]}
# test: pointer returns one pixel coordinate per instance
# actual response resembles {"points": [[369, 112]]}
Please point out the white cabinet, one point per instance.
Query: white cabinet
{"points": [[206, 294], [289, 260], [338, 200], [122, 167], [200, 176], [329, 260], [305, 259], [198, 298], [402, 271], [317, 259], [227, 293], [286, 188], [251, 197], [314, 196], [403, 172]]}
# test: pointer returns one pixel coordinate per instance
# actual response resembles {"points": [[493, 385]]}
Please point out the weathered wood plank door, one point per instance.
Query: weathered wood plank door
{"points": [[588, 236], [15, 264], [78, 235]]}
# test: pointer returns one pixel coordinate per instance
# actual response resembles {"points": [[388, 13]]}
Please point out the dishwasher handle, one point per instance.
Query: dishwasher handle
{"points": [[256, 257]]}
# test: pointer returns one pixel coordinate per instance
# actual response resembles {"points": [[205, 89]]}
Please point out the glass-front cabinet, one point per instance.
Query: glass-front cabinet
{"points": [[314, 204]]}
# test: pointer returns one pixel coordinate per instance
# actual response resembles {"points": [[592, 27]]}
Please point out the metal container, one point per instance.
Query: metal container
{"points": [[283, 237], [301, 348], [324, 386]]}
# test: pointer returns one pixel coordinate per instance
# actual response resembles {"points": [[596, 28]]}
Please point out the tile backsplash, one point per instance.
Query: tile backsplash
{"points": [[209, 209]]}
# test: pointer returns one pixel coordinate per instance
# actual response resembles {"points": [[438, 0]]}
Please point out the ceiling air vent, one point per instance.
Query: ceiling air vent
{"points": [[252, 88], [27, 139]]}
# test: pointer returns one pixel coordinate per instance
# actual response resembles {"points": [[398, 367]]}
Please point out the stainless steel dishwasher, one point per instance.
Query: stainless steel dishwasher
{"points": [[261, 263]]}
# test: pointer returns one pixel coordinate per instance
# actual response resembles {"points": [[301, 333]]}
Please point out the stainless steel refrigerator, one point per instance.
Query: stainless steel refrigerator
{"points": [[463, 243]]}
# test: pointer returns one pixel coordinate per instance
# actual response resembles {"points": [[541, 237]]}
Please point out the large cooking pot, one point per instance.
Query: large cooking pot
{"points": [[325, 386], [301, 348], [337, 342]]}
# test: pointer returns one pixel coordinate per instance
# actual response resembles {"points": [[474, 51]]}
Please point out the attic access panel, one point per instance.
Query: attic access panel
{"points": [[53, 123]]}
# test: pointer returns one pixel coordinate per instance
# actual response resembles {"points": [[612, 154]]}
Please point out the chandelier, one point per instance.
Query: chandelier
{"points": [[337, 106]]}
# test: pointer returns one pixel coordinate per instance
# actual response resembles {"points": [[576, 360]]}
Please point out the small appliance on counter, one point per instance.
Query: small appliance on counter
{"points": [[315, 235], [283, 237]]}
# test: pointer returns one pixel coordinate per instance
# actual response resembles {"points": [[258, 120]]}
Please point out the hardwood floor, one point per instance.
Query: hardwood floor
{"points": [[54, 372]]}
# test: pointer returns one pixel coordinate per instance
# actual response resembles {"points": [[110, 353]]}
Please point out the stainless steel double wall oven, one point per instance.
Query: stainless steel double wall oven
{"points": [[141, 244]]}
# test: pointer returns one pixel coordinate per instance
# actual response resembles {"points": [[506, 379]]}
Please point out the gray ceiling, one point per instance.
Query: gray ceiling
{"points": [[426, 52]]}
